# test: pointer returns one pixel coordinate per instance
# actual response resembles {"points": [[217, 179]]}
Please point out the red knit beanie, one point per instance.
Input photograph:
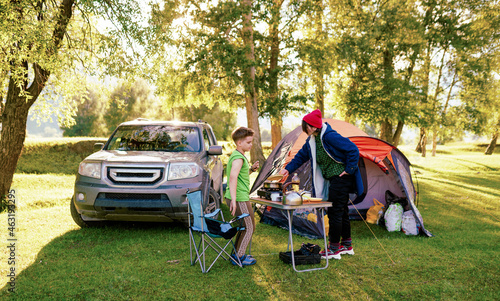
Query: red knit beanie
{"points": [[314, 119]]}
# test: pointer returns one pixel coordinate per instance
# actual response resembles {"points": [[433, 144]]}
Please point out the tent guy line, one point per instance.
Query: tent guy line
{"points": [[387, 253]]}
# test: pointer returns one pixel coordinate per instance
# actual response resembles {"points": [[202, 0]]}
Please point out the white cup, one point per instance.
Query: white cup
{"points": [[274, 196]]}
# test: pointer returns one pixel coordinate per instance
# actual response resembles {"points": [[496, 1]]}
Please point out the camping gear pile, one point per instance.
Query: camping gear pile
{"points": [[383, 168], [398, 216]]}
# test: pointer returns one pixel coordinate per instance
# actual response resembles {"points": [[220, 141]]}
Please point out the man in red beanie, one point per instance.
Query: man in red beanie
{"points": [[335, 173]]}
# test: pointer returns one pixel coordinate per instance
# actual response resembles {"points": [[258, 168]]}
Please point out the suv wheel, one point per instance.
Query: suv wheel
{"points": [[213, 201], [78, 218]]}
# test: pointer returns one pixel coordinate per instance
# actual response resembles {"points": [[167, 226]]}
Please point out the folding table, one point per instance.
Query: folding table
{"points": [[289, 213]]}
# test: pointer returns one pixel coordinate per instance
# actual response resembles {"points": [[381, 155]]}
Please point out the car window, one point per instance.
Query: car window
{"points": [[207, 139], [164, 138]]}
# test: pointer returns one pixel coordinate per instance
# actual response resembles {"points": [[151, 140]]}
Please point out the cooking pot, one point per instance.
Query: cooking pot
{"points": [[272, 185], [291, 197]]}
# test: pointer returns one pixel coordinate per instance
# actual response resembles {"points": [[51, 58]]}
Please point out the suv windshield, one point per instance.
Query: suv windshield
{"points": [[164, 138]]}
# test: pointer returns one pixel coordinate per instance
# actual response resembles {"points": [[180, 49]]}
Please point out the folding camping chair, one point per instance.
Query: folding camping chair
{"points": [[204, 229]]}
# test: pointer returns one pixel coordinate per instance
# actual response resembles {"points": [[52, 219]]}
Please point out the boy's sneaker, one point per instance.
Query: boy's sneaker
{"points": [[245, 260], [333, 252], [249, 260]]}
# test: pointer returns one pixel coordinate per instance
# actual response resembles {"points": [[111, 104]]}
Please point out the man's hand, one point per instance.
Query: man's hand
{"points": [[285, 174], [343, 174]]}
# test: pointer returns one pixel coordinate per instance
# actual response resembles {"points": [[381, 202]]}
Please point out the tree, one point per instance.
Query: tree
{"points": [[35, 54], [217, 63], [378, 47], [316, 49], [278, 95], [462, 39], [27, 75], [256, 152], [221, 122], [89, 116], [129, 101]]}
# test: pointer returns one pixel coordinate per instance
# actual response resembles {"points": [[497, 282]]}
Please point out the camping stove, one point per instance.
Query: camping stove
{"points": [[266, 193]]}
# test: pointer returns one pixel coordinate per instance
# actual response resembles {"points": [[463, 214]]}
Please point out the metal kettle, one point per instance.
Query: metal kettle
{"points": [[291, 197]]}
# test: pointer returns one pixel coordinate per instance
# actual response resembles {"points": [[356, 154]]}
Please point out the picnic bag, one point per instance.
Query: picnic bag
{"points": [[409, 225], [375, 212], [393, 217]]}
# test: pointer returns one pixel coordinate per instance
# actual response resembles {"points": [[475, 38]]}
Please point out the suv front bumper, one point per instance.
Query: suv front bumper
{"points": [[96, 200]]}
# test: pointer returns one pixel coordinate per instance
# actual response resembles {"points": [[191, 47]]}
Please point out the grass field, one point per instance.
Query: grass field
{"points": [[459, 198]]}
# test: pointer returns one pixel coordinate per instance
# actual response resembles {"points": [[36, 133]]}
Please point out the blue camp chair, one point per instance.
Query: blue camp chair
{"points": [[206, 229]]}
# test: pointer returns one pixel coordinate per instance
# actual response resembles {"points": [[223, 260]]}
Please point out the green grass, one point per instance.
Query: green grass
{"points": [[56, 156], [458, 198], [42, 191]]}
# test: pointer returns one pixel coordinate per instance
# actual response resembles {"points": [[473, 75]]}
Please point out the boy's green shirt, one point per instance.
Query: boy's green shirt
{"points": [[243, 184]]}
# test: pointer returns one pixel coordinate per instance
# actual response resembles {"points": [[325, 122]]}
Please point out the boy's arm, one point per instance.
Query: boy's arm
{"points": [[233, 182]]}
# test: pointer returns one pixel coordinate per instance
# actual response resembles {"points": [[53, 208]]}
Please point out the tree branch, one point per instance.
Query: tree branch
{"points": [[41, 74]]}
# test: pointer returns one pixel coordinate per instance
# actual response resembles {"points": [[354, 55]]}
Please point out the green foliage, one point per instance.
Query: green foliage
{"points": [[375, 51], [130, 101], [28, 42], [89, 116], [458, 201], [221, 122]]}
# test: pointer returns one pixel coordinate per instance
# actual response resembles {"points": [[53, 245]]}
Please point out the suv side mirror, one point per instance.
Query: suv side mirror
{"points": [[98, 146], [215, 150]]}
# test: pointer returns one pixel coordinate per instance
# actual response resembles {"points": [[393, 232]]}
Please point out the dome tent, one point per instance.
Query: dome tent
{"points": [[383, 168]]}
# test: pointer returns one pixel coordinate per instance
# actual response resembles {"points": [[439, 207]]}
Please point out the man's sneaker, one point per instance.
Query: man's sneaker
{"points": [[346, 250], [331, 253]]}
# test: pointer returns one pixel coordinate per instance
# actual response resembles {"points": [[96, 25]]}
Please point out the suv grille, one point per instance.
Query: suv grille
{"points": [[143, 202], [135, 176]]}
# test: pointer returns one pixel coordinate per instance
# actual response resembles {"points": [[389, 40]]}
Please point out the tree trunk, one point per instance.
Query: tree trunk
{"points": [[491, 147], [386, 131], [318, 77], [276, 120], [421, 140], [435, 104], [276, 125], [397, 133], [13, 134], [434, 142], [320, 91], [256, 153], [386, 125], [422, 143], [425, 88]]}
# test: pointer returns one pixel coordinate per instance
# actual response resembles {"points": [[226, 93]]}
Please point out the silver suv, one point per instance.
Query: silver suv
{"points": [[144, 170]]}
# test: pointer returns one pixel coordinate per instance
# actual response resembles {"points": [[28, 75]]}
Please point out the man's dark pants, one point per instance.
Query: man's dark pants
{"points": [[338, 214]]}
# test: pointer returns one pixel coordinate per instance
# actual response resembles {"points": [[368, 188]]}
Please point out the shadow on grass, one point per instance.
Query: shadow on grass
{"points": [[465, 181], [125, 261]]}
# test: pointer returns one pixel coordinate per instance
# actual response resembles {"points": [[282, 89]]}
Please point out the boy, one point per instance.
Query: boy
{"points": [[237, 196]]}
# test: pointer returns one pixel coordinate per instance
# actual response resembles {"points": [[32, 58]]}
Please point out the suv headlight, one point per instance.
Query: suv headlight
{"points": [[177, 171], [90, 169]]}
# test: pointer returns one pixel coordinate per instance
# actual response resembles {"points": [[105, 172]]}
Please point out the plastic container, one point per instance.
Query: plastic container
{"points": [[296, 182]]}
